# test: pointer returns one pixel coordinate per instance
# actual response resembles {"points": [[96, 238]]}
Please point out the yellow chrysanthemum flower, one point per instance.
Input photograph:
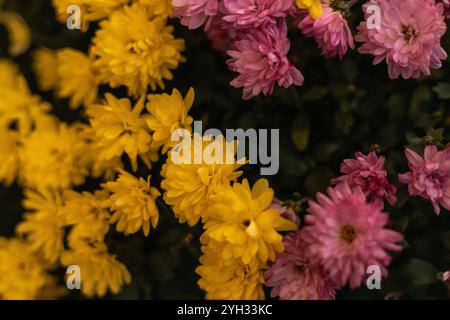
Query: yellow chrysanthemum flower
{"points": [[18, 107], [19, 33], [240, 220], [76, 78], [161, 8], [9, 155], [167, 114], [188, 186], [91, 10], [119, 129], [99, 168], [88, 216], [23, 275], [133, 202], [43, 226], [52, 158], [100, 271], [45, 64], [136, 49], [314, 7], [234, 281]]}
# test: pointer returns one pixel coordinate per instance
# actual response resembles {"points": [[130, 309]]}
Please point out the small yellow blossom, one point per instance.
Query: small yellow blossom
{"points": [[45, 66], [314, 7], [188, 186], [52, 157], [88, 216], [76, 78], [135, 49], [100, 270], [19, 33], [119, 129], [239, 219], [23, 275], [43, 226], [133, 202], [167, 114], [233, 281]]}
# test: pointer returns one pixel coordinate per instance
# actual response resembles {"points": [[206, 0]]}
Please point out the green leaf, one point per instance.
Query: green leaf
{"points": [[314, 94], [300, 132], [442, 90], [419, 272]]}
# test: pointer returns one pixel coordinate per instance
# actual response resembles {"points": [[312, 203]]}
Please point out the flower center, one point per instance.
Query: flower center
{"points": [[348, 233], [408, 32], [301, 269]]}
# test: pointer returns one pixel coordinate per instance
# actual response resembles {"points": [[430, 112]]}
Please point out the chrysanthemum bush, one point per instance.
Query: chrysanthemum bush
{"points": [[89, 178]]}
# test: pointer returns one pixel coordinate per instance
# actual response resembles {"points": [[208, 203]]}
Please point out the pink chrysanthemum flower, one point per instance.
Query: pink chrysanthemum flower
{"points": [[254, 13], [446, 4], [259, 56], [194, 13], [367, 173], [345, 235], [330, 31], [408, 36], [286, 212], [429, 177], [293, 277], [221, 34]]}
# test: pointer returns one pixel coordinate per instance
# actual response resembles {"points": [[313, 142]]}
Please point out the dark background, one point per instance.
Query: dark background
{"points": [[344, 106]]}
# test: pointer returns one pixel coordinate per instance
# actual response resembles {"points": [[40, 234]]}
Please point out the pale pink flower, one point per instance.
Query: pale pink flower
{"points": [[293, 277], [285, 211], [221, 34], [330, 31], [367, 173], [429, 177], [408, 38], [345, 235], [194, 13], [254, 13], [259, 56]]}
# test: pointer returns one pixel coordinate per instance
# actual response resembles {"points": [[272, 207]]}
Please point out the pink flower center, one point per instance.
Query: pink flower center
{"points": [[348, 233]]}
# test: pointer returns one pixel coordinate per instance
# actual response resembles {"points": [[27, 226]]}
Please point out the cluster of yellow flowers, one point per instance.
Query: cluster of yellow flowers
{"points": [[133, 47]]}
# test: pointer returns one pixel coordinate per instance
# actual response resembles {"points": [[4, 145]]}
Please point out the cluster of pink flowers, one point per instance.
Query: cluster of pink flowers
{"points": [[346, 230], [406, 34]]}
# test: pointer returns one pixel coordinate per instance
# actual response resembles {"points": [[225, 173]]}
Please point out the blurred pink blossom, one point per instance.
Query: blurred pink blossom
{"points": [[194, 13]]}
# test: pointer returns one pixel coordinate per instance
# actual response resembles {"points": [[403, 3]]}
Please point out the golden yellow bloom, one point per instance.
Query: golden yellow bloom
{"points": [[234, 281], [91, 10], [314, 7], [188, 185], [167, 114], [52, 157], [9, 155], [136, 49], [120, 129], [76, 78], [240, 220], [19, 33], [45, 65], [88, 216], [133, 202], [161, 8], [23, 275], [43, 226], [99, 168], [18, 107], [100, 271]]}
